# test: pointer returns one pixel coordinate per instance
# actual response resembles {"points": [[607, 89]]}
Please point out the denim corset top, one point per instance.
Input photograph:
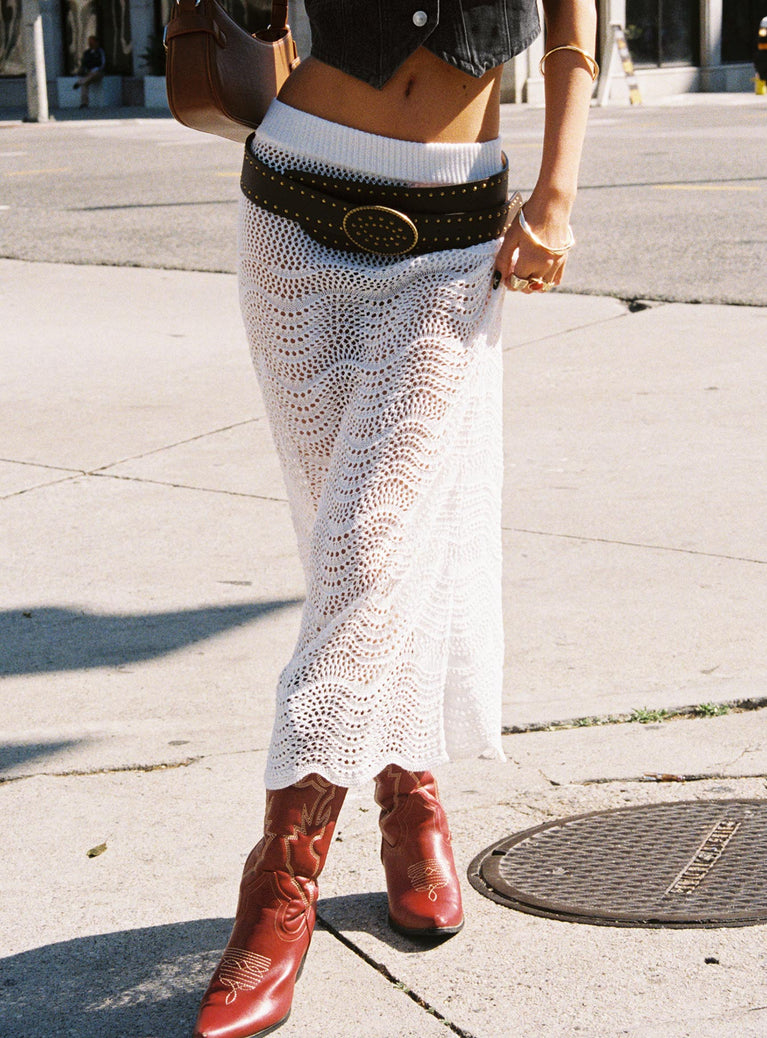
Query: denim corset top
{"points": [[370, 39]]}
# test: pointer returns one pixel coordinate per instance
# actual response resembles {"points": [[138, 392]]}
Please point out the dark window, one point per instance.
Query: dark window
{"points": [[11, 50], [740, 20], [663, 32]]}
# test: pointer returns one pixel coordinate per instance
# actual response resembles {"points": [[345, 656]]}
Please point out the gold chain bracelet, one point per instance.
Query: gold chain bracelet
{"points": [[590, 60]]}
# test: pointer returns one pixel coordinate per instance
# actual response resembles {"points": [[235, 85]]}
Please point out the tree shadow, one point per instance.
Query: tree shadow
{"points": [[144, 983], [13, 754], [46, 639]]}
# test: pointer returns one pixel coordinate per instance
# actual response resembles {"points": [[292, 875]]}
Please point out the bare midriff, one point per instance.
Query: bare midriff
{"points": [[425, 100]]}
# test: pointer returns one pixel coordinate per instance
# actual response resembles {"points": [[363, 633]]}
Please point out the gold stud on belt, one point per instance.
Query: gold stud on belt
{"points": [[381, 230]]}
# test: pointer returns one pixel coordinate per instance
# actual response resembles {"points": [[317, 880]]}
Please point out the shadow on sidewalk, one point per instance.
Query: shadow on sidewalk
{"points": [[14, 754], [348, 914], [46, 639], [144, 983]]}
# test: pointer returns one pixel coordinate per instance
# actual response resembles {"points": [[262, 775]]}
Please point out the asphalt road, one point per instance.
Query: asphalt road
{"points": [[673, 200]]}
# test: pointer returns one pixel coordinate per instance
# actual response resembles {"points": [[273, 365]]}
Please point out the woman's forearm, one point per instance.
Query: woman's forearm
{"points": [[568, 86]]}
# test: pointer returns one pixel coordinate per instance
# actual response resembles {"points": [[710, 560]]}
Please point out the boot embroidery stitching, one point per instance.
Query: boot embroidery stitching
{"points": [[241, 970], [316, 813], [292, 917], [428, 877]]}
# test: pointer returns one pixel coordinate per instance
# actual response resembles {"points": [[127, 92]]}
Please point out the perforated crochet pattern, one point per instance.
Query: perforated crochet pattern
{"points": [[382, 382]]}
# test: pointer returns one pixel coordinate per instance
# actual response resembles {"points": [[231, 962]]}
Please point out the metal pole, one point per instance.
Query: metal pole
{"points": [[34, 61], [606, 72]]}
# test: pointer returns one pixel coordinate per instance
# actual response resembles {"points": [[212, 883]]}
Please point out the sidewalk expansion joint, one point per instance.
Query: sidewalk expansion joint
{"points": [[42, 465], [674, 713], [188, 486], [575, 328], [67, 474], [172, 446], [117, 769], [663, 778], [379, 967], [43, 486], [635, 544]]}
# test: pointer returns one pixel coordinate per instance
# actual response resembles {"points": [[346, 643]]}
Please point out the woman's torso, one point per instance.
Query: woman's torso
{"points": [[426, 99]]}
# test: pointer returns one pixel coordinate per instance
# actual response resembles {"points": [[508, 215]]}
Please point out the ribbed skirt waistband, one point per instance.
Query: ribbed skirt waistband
{"points": [[309, 137]]}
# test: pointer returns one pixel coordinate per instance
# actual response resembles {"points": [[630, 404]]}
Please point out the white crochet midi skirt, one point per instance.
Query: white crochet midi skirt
{"points": [[382, 382]]}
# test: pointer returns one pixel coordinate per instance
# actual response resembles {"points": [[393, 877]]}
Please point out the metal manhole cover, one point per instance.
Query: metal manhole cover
{"points": [[689, 863]]}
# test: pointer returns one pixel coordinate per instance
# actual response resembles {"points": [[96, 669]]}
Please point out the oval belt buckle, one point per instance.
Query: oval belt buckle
{"points": [[379, 229]]}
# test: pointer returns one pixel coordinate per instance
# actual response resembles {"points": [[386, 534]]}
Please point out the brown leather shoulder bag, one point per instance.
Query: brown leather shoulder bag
{"points": [[219, 78]]}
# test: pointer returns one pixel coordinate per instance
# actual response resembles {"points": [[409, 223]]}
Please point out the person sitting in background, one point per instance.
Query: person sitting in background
{"points": [[92, 67], [760, 57]]}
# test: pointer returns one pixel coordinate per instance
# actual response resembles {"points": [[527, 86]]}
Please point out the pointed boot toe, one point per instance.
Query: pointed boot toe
{"points": [[442, 917], [248, 996]]}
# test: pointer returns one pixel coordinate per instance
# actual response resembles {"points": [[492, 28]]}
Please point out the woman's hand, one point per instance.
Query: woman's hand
{"points": [[519, 256]]}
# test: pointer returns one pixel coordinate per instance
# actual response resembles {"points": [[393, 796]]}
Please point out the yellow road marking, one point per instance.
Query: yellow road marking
{"points": [[228, 174], [31, 172], [705, 187]]}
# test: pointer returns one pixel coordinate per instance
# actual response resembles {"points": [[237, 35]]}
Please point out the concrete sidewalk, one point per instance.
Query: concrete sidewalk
{"points": [[151, 594]]}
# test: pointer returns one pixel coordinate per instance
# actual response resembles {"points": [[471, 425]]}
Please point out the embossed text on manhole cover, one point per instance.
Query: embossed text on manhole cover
{"points": [[689, 863]]}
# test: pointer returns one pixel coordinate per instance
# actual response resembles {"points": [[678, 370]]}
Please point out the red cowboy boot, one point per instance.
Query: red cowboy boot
{"points": [[424, 894], [251, 991]]}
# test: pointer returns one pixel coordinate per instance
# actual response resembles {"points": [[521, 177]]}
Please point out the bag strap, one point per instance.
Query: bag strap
{"points": [[279, 14], [200, 18]]}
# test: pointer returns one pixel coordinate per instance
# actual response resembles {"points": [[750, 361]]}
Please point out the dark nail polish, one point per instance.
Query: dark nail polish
{"points": [[496, 278]]}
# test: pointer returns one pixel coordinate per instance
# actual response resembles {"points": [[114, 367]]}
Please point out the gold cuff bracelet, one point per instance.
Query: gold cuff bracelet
{"points": [[588, 58]]}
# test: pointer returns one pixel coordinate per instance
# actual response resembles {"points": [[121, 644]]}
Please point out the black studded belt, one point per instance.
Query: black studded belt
{"points": [[384, 219]]}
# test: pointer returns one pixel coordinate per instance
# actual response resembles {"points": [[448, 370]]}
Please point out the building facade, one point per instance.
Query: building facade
{"points": [[130, 32], [677, 46]]}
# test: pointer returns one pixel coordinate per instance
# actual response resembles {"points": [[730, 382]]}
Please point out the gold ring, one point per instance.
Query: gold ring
{"points": [[517, 284], [540, 285]]}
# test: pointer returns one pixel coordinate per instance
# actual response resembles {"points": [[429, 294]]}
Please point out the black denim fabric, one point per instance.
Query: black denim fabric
{"points": [[371, 38]]}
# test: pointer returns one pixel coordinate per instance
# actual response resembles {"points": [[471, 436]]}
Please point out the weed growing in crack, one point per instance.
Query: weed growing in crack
{"points": [[646, 716], [711, 709]]}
